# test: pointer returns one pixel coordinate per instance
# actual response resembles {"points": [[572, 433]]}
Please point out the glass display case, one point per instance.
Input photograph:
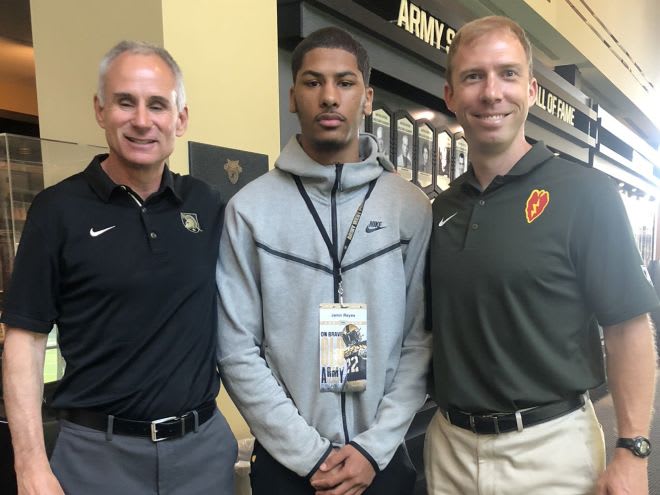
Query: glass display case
{"points": [[27, 165]]}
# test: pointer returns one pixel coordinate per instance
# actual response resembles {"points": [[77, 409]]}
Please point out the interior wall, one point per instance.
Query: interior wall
{"points": [[19, 97], [635, 28], [18, 92], [70, 38], [228, 53]]}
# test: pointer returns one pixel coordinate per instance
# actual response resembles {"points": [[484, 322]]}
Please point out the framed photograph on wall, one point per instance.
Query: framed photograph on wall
{"points": [[443, 159], [379, 124], [461, 158], [404, 132], [225, 169], [425, 145]]}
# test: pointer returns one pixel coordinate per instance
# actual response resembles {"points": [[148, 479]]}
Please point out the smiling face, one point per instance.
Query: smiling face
{"points": [[139, 114], [330, 98], [491, 91]]}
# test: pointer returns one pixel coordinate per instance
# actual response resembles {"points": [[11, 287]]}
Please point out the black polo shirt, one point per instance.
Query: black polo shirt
{"points": [[131, 287], [522, 273]]}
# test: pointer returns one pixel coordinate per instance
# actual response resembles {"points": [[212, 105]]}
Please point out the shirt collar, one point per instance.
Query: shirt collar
{"points": [[536, 156], [104, 186]]}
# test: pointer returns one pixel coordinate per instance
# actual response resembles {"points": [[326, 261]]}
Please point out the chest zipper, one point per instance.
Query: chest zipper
{"points": [[335, 242]]}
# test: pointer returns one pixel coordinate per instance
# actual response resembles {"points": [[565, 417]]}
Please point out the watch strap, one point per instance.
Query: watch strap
{"points": [[640, 446]]}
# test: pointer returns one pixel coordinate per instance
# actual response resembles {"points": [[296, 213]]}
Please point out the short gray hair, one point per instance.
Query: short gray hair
{"points": [[141, 48]]}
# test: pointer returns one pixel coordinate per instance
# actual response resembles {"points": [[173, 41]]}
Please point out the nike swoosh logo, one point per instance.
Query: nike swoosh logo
{"points": [[96, 233], [445, 220], [371, 229]]}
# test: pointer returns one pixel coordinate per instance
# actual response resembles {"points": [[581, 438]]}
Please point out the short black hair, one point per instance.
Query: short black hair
{"points": [[331, 37]]}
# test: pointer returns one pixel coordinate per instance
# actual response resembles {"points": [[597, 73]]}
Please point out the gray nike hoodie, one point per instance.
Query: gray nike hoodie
{"points": [[274, 270]]}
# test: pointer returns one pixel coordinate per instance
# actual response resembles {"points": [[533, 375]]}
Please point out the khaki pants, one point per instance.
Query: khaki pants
{"points": [[560, 457]]}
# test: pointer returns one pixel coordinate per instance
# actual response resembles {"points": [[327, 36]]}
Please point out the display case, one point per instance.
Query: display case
{"points": [[27, 165]]}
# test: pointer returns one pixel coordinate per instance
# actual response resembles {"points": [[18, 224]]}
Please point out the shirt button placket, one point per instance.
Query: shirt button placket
{"points": [[474, 223]]}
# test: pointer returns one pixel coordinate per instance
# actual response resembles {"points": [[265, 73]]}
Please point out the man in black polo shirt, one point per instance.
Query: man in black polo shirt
{"points": [[121, 257], [529, 254]]}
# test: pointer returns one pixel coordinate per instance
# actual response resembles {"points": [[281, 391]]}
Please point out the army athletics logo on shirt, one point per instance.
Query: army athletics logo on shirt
{"points": [[536, 203], [189, 221]]}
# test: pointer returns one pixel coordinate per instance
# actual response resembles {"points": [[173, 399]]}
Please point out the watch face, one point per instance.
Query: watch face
{"points": [[642, 446]]}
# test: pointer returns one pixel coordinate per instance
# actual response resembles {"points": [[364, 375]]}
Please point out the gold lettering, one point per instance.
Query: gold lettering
{"points": [[540, 97], [439, 29], [402, 21], [551, 103], [424, 26], [428, 32], [571, 115], [415, 17], [450, 33]]}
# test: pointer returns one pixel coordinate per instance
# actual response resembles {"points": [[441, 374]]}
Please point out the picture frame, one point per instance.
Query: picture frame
{"points": [[225, 169], [379, 123], [424, 170], [404, 130], [444, 165], [461, 156]]}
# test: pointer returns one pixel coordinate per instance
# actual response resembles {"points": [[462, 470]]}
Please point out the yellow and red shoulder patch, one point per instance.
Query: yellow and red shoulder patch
{"points": [[536, 204]]}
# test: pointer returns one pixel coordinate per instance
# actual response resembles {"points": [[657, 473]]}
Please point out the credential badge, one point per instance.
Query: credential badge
{"points": [[233, 169], [190, 222]]}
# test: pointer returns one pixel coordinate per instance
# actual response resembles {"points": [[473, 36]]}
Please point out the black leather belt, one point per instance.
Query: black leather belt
{"points": [[157, 430], [495, 423]]}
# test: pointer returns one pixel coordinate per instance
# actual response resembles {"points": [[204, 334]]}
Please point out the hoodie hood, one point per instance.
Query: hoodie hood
{"points": [[294, 160]]}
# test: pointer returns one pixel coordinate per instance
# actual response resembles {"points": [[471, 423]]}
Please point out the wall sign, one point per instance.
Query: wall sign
{"points": [[555, 106], [424, 26]]}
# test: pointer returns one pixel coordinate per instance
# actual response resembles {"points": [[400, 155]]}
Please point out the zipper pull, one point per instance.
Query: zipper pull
{"points": [[339, 168]]}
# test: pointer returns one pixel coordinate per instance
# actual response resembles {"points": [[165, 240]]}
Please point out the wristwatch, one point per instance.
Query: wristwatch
{"points": [[640, 446]]}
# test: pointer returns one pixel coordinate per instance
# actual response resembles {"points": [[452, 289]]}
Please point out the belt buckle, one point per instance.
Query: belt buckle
{"points": [[154, 429], [492, 417]]}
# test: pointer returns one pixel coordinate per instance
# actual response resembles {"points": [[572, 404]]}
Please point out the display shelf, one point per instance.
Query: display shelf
{"points": [[27, 165]]}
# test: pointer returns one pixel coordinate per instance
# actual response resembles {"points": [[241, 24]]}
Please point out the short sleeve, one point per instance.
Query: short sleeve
{"points": [[31, 301], [607, 261]]}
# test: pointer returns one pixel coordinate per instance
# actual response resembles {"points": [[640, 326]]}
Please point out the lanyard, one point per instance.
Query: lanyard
{"points": [[336, 260]]}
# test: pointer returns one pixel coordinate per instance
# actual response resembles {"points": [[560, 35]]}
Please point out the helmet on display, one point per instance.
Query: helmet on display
{"points": [[351, 334]]}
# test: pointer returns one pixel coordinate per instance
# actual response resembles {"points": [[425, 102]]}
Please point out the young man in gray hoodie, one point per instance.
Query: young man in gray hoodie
{"points": [[323, 346]]}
